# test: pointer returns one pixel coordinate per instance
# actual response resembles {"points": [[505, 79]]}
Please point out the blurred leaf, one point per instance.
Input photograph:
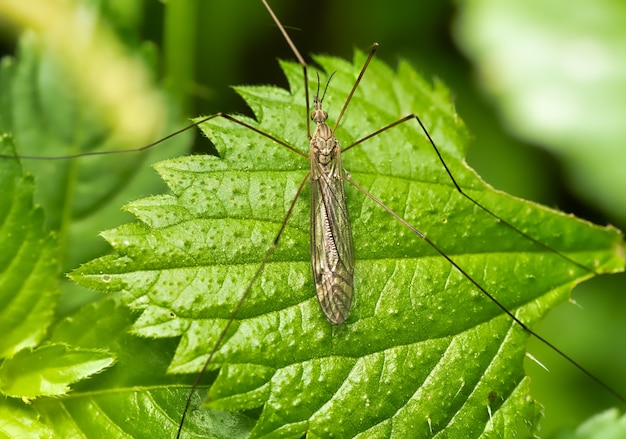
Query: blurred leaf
{"points": [[558, 76], [606, 425], [28, 267], [416, 321], [20, 420], [48, 116]]}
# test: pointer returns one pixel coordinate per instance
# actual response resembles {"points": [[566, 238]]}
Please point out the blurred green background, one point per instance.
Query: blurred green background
{"points": [[540, 87]]}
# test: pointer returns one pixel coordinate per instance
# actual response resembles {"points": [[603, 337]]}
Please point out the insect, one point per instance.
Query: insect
{"points": [[249, 256]]}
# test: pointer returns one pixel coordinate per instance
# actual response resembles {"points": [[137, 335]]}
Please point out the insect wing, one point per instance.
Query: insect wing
{"points": [[332, 255]]}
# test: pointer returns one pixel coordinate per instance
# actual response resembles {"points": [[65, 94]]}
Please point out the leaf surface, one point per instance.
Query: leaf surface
{"points": [[28, 267], [49, 370], [423, 352]]}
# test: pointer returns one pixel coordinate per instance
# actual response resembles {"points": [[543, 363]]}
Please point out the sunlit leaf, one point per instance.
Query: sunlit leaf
{"points": [[49, 370], [423, 351]]}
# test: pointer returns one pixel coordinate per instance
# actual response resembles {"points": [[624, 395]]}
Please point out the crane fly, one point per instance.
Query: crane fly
{"points": [[332, 256], [397, 330]]}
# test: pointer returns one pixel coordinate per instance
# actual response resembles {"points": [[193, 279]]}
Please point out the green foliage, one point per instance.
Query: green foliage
{"points": [[49, 116], [416, 320], [423, 352], [49, 370], [28, 262]]}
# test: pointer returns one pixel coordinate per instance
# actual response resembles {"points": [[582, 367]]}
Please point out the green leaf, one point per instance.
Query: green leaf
{"points": [[20, 420], [423, 352], [28, 289], [49, 370], [605, 425], [28, 264], [132, 398]]}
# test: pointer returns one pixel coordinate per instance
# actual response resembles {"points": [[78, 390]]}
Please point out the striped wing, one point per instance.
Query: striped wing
{"points": [[332, 256]]}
